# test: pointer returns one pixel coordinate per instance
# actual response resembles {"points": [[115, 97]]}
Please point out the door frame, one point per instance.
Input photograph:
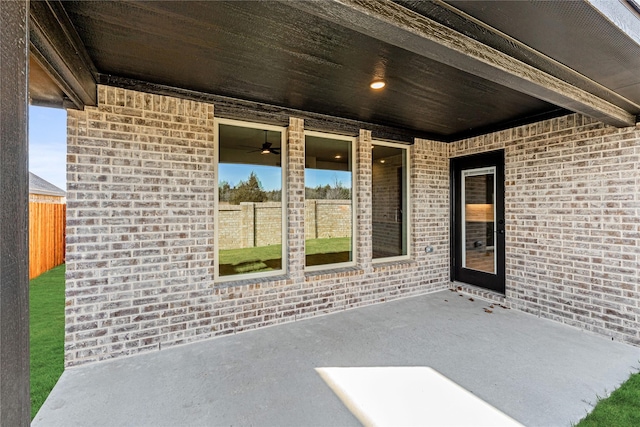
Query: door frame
{"points": [[474, 277]]}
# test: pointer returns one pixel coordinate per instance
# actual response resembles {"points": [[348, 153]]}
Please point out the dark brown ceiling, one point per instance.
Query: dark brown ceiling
{"points": [[272, 53]]}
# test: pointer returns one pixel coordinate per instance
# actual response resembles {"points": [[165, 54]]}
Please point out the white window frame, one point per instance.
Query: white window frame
{"points": [[354, 193], [407, 192], [283, 167]]}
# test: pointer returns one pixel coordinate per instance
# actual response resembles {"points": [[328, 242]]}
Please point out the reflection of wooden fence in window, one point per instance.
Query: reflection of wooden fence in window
{"points": [[46, 237]]}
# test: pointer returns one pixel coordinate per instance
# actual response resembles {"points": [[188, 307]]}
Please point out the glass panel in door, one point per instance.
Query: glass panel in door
{"points": [[479, 218]]}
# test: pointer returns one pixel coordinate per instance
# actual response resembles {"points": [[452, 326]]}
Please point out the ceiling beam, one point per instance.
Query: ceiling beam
{"points": [[56, 46], [394, 24], [476, 29]]}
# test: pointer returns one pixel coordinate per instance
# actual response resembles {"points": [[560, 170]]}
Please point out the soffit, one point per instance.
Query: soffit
{"points": [[280, 55], [271, 53], [579, 37]]}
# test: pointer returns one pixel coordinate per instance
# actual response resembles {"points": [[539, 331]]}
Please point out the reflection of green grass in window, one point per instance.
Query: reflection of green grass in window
{"points": [[266, 258], [250, 260], [328, 251]]}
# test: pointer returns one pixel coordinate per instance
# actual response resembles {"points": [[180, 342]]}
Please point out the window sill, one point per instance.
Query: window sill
{"points": [[332, 273], [230, 283], [394, 265]]}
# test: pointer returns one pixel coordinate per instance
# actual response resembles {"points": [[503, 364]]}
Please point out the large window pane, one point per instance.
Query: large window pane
{"points": [[250, 208], [328, 218], [389, 197]]}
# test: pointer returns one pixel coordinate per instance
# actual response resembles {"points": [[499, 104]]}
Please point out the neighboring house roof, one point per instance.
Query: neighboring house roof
{"points": [[38, 185]]}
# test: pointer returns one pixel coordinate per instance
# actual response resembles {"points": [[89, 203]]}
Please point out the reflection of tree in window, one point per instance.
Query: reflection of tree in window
{"points": [[337, 191], [247, 191], [328, 201]]}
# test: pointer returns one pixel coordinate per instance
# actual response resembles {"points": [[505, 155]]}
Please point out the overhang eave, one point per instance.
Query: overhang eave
{"points": [[401, 27], [65, 64]]}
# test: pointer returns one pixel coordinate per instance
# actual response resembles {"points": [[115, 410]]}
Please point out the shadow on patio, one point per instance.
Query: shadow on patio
{"points": [[533, 371]]}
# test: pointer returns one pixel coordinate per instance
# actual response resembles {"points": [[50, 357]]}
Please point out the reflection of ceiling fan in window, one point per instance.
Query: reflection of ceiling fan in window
{"points": [[266, 147]]}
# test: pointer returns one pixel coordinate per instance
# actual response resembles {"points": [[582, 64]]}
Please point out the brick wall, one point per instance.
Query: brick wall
{"points": [[572, 206], [140, 261], [429, 207], [332, 218], [230, 219], [139, 224], [249, 224], [141, 216]]}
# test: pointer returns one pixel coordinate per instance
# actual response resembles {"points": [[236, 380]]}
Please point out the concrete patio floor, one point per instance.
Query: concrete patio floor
{"points": [[538, 372]]}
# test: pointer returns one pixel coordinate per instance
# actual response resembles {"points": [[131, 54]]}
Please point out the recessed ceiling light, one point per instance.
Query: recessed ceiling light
{"points": [[382, 161], [377, 84], [337, 156]]}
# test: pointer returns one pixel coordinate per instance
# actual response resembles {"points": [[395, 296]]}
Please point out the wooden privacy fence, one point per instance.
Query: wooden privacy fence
{"points": [[46, 237]]}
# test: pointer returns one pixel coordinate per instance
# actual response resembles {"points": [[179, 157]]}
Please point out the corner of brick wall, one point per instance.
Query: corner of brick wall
{"points": [[572, 205], [140, 224], [429, 168]]}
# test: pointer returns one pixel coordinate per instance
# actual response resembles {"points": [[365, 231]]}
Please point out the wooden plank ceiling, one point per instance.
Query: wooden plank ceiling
{"points": [[452, 69]]}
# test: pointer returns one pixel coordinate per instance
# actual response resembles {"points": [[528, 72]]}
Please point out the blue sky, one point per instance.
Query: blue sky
{"points": [[48, 156], [271, 179], [315, 177], [269, 176], [48, 144]]}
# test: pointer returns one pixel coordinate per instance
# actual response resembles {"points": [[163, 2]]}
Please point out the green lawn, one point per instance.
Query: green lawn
{"points": [[264, 258], [621, 409], [46, 316]]}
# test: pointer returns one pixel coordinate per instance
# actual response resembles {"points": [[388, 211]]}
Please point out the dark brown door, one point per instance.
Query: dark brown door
{"points": [[478, 237]]}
